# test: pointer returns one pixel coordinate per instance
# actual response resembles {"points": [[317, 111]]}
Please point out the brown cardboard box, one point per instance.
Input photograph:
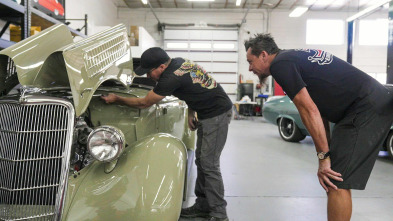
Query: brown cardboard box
{"points": [[15, 32], [134, 36]]}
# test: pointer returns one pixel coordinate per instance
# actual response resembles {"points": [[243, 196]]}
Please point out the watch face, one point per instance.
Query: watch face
{"points": [[321, 155]]}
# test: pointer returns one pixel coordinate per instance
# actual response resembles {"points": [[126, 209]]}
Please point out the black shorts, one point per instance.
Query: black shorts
{"points": [[355, 143]]}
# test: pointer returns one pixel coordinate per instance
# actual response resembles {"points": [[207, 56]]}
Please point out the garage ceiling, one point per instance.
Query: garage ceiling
{"points": [[313, 5]]}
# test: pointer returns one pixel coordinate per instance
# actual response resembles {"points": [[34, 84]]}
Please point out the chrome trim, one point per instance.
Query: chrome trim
{"points": [[37, 206]]}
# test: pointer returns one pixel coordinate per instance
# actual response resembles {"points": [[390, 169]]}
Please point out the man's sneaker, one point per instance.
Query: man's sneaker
{"points": [[193, 211], [212, 218]]}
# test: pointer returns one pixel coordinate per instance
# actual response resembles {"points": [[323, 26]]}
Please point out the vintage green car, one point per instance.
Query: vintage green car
{"points": [[281, 111], [65, 154]]}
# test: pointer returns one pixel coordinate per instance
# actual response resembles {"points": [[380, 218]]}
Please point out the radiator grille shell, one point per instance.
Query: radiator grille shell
{"points": [[35, 142]]}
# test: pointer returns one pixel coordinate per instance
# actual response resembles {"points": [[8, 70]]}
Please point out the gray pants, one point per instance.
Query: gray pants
{"points": [[209, 186]]}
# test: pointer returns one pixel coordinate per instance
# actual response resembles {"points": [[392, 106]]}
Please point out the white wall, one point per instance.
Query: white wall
{"points": [[99, 12], [288, 32]]}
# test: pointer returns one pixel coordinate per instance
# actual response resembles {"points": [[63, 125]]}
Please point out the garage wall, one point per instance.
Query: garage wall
{"points": [[99, 12], [288, 32]]}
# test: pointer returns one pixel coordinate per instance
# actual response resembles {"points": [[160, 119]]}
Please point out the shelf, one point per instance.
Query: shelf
{"points": [[11, 11], [39, 18], [10, 7], [5, 43], [14, 13]]}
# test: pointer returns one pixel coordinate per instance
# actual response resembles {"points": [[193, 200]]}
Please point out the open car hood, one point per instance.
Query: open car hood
{"points": [[51, 59]]}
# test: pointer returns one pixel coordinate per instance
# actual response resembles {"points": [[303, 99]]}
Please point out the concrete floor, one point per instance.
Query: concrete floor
{"points": [[268, 179]]}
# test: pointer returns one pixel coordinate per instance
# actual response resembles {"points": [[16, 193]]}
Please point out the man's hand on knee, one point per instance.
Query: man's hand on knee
{"points": [[325, 173]]}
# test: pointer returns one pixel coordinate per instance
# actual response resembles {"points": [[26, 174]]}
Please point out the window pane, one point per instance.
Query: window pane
{"points": [[327, 32], [176, 45], [373, 32], [224, 46], [200, 45]]}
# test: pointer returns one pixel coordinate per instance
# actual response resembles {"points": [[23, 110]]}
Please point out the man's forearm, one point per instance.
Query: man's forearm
{"points": [[327, 130], [132, 102], [314, 124]]}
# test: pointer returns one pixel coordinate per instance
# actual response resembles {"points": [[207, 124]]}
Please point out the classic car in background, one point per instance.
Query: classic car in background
{"points": [[65, 154], [281, 111]]}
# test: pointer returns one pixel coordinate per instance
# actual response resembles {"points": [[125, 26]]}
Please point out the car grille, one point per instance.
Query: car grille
{"points": [[34, 146]]}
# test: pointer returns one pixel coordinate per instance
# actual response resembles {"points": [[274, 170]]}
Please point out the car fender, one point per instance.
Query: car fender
{"points": [[146, 184]]}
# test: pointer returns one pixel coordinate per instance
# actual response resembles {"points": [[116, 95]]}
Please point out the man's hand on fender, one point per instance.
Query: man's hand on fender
{"points": [[325, 172], [110, 98], [192, 123]]}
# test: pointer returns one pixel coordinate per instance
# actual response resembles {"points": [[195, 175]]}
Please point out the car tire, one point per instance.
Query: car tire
{"points": [[389, 144], [289, 131]]}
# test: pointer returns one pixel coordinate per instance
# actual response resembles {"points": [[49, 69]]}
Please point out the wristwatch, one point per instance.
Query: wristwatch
{"points": [[323, 155]]}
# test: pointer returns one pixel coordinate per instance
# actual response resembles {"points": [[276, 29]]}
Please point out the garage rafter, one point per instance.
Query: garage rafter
{"points": [[316, 5]]}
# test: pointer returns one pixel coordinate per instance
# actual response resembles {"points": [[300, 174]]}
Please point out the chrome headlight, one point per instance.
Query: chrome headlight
{"points": [[105, 143]]}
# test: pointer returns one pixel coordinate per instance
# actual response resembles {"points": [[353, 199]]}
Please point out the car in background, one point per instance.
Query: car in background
{"points": [[281, 111], [67, 155]]}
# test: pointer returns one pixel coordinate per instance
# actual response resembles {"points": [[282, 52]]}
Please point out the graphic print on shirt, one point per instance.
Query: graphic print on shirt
{"points": [[197, 73], [322, 57]]}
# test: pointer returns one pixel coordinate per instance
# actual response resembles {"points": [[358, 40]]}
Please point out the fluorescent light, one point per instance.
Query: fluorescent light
{"points": [[238, 2], [177, 45], [200, 0], [367, 10], [144, 2], [298, 11]]}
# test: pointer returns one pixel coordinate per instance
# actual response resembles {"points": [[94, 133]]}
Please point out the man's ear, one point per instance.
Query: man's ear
{"points": [[263, 55], [162, 67]]}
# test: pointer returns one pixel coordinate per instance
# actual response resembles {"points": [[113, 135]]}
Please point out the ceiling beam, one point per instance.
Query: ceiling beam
{"points": [[345, 4], [244, 4], [328, 6], [126, 2], [293, 5], [311, 5], [159, 3], [278, 3], [260, 3]]}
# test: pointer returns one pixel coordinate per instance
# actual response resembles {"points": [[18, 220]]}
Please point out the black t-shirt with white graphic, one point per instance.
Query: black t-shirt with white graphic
{"points": [[333, 84], [189, 82]]}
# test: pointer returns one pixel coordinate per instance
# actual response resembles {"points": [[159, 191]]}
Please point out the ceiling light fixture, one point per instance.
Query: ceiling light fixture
{"points": [[144, 2], [200, 0], [298, 11], [368, 10], [238, 2]]}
